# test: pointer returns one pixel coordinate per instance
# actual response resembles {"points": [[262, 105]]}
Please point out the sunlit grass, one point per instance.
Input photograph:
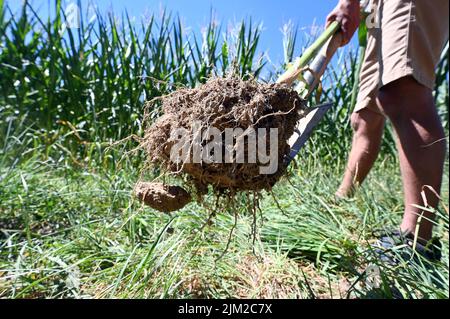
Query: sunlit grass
{"points": [[69, 233]]}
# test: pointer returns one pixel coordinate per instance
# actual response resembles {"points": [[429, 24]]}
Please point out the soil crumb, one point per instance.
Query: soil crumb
{"points": [[162, 197]]}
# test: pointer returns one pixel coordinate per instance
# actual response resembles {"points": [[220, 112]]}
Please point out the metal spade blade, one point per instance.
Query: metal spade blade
{"points": [[304, 129]]}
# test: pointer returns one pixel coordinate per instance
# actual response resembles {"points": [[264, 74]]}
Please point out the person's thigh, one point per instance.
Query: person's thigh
{"points": [[413, 34], [369, 77], [407, 99], [404, 47]]}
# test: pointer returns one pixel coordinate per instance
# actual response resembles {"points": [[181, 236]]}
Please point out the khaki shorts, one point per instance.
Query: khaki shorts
{"points": [[407, 41]]}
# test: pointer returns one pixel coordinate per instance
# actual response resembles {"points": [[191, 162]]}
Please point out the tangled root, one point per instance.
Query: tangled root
{"points": [[225, 103]]}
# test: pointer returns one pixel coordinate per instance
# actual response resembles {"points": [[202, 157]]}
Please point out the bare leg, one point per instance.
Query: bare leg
{"points": [[368, 129], [421, 144]]}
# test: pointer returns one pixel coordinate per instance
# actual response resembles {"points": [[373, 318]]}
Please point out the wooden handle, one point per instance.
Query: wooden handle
{"points": [[294, 71], [318, 66]]}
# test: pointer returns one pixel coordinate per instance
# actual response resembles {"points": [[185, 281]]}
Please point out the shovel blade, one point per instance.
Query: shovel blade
{"points": [[304, 129]]}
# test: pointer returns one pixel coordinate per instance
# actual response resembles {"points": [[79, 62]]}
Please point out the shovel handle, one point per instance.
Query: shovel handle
{"points": [[311, 52], [318, 66]]}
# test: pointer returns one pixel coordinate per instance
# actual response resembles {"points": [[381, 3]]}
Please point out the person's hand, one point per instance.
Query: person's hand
{"points": [[347, 12]]}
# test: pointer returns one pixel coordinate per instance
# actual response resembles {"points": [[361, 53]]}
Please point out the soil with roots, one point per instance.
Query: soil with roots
{"points": [[223, 103], [162, 197]]}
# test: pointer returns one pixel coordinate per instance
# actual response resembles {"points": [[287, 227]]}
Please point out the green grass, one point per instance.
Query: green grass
{"points": [[80, 233], [70, 227]]}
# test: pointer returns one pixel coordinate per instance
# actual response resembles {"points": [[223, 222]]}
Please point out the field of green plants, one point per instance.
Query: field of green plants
{"points": [[70, 227]]}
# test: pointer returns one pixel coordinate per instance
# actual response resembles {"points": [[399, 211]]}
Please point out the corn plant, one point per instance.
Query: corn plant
{"points": [[89, 84], [81, 89]]}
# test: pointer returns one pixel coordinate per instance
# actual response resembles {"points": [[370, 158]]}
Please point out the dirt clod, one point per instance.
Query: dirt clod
{"points": [[225, 103], [162, 197]]}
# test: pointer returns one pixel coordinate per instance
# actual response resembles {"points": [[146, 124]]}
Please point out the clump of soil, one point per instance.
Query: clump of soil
{"points": [[162, 197], [225, 103]]}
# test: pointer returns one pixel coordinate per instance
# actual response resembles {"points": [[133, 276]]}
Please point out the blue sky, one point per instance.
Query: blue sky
{"points": [[195, 13]]}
